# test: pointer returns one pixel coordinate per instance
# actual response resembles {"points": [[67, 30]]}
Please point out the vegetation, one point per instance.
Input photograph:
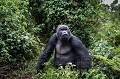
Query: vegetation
{"points": [[25, 25]]}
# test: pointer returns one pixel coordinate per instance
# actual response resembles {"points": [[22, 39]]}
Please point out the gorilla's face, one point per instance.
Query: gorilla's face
{"points": [[63, 33]]}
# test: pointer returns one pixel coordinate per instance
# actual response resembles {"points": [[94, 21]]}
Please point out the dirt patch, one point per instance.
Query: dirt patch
{"points": [[6, 72]]}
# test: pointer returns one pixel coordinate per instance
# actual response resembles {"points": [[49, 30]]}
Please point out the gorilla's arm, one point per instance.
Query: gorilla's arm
{"points": [[46, 53], [83, 60]]}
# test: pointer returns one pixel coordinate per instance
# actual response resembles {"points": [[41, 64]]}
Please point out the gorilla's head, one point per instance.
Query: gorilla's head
{"points": [[63, 33]]}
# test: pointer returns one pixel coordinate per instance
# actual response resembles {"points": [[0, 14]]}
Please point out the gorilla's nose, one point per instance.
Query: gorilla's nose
{"points": [[64, 33]]}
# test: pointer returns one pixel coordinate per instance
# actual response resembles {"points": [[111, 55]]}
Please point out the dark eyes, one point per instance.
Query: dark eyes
{"points": [[63, 29]]}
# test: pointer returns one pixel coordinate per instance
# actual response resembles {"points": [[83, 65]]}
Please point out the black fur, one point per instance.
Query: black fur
{"points": [[68, 48]]}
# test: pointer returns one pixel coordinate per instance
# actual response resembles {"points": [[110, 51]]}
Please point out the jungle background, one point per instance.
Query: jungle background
{"points": [[26, 26]]}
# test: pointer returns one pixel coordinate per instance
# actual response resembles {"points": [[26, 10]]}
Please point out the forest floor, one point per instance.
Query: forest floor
{"points": [[10, 71]]}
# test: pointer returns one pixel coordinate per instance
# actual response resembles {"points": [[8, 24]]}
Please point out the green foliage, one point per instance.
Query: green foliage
{"points": [[16, 42], [50, 13], [97, 25], [110, 67], [94, 73], [105, 54], [60, 73], [67, 73], [105, 48]]}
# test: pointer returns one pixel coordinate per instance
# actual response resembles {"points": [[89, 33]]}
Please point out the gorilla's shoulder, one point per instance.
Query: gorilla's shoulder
{"points": [[75, 40], [53, 38], [75, 37]]}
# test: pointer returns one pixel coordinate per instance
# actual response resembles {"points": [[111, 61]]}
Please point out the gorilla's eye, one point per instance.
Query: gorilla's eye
{"points": [[63, 29]]}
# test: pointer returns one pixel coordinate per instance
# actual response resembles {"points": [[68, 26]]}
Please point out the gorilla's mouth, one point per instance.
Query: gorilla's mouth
{"points": [[65, 37]]}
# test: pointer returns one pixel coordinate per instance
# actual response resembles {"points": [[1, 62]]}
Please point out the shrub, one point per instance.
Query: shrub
{"points": [[50, 13], [60, 73], [105, 56], [17, 43]]}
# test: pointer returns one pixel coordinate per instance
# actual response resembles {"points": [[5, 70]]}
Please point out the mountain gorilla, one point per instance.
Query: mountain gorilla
{"points": [[68, 48]]}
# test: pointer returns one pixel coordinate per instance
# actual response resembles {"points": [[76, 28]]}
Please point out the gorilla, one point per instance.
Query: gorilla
{"points": [[66, 48]]}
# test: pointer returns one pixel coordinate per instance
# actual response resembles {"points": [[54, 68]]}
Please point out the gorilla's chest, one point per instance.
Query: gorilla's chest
{"points": [[63, 49]]}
